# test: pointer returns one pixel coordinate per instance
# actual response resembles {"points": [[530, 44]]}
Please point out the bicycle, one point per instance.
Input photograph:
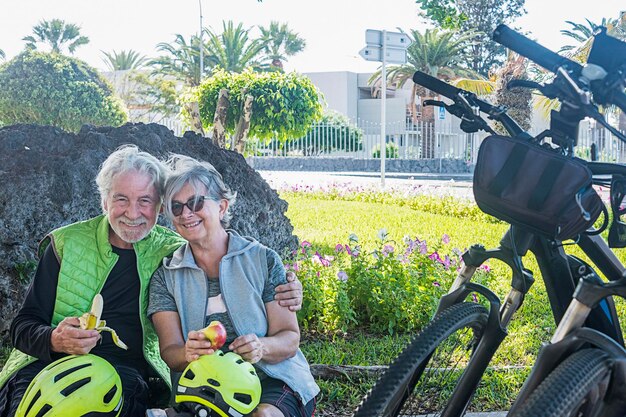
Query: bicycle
{"points": [[460, 341]]}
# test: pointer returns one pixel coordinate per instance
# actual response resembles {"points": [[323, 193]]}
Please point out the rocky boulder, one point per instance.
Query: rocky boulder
{"points": [[47, 180]]}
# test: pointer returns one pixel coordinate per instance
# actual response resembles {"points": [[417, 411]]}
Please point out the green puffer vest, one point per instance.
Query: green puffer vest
{"points": [[86, 259]]}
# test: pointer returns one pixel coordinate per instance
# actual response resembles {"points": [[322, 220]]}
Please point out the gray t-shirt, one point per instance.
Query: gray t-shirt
{"points": [[162, 300]]}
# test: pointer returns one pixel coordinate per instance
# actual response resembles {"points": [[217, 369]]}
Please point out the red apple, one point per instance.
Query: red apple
{"points": [[215, 333]]}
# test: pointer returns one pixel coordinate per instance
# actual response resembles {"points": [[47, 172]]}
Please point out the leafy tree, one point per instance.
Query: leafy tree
{"points": [[280, 43], [57, 34], [52, 89], [124, 60], [2, 55], [233, 50], [443, 12], [181, 60], [284, 105], [333, 132], [481, 17]]}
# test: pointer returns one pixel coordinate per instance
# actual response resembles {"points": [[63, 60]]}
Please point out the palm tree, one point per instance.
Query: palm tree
{"points": [[182, 60], [435, 52], [57, 34], [124, 60], [233, 50], [280, 43]]}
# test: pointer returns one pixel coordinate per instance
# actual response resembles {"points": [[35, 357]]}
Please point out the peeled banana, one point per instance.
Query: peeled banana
{"points": [[91, 321]]}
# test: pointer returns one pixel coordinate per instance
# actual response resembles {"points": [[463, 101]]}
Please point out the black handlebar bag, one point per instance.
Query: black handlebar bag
{"points": [[535, 187]]}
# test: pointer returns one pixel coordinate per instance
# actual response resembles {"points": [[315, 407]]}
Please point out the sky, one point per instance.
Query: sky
{"points": [[334, 30]]}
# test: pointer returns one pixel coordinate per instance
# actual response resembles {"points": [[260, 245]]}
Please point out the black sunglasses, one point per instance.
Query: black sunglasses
{"points": [[194, 204]]}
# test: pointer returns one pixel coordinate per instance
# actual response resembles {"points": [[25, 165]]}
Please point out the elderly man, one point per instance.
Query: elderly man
{"points": [[115, 255]]}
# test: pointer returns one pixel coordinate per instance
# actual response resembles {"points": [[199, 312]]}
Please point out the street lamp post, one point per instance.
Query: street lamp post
{"points": [[201, 48]]}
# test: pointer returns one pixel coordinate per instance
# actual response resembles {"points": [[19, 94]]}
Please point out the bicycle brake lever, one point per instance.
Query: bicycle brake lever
{"points": [[437, 103]]}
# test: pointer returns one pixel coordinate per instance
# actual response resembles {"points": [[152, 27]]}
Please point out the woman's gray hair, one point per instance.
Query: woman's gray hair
{"points": [[200, 175], [130, 158]]}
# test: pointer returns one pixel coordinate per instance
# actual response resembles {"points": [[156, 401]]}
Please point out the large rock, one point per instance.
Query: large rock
{"points": [[47, 180]]}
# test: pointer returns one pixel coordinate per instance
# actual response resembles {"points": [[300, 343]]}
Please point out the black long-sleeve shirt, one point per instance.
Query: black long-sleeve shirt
{"points": [[31, 330]]}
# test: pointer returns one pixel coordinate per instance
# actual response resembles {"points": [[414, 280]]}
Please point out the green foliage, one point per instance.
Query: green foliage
{"points": [[181, 60], [480, 17], [25, 270], [279, 42], [124, 60], [333, 132], [284, 106], [391, 150], [390, 288], [232, 50], [52, 89], [152, 95], [57, 34], [443, 12]]}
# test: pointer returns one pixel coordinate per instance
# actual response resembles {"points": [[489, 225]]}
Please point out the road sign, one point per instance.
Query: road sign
{"points": [[375, 53], [394, 39], [383, 46]]}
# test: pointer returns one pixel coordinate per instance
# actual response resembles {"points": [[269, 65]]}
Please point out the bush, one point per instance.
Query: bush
{"points": [[391, 151], [392, 288], [52, 89]]}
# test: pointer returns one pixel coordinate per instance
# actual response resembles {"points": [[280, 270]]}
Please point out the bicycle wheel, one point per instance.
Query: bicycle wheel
{"points": [[421, 379], [576, 387]]}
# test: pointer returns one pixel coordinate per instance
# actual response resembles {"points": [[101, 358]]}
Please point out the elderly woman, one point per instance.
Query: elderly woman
{"points": [[220, 275]]}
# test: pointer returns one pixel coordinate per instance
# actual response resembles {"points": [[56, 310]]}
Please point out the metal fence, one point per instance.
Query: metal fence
{"points": [[404, 140], [415, 140]]}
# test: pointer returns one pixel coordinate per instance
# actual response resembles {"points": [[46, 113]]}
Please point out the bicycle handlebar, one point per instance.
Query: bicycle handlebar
{"points": [[532, 50], [436, 85]]}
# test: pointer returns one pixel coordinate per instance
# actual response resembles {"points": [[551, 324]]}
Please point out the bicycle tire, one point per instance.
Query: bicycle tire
{"points": [[568, 388], [397, 391]]}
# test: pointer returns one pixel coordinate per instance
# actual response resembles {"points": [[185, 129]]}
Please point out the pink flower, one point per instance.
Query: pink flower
{"points": [[436, 284], [484, 267], [445, 238], [387, 249], [305, 244], [339, 248], [423, 248]]}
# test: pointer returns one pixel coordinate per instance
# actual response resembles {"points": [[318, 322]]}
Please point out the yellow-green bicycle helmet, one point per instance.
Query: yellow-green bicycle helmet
{"points": [[74, 386], [222, 384]]}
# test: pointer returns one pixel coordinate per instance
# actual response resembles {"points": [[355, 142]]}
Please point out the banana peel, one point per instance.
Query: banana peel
{"points": [[91, 321]]}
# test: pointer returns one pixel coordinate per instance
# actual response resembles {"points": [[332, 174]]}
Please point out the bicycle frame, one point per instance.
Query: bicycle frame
{"points": [[560, 272]]}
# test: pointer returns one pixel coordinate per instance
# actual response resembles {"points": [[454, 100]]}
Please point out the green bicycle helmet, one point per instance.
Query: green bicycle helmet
{"points": [[74, 386], [221, 384]]}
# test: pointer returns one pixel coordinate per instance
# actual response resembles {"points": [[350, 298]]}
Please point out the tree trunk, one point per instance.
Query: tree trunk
{"points": [[243, 126], [427, 130], [194, 113], [219, 119], [622, 121]]}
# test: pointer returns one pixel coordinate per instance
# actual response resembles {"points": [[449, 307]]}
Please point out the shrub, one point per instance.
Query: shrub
{"points": [[391, 288], [391, 151], [52, 89]]}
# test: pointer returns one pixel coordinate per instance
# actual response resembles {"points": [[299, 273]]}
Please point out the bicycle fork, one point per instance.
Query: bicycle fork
{"points": [[499, 317]]}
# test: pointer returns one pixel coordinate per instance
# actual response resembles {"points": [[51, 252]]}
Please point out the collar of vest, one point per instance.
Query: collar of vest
{"points": [[183, 256]]}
